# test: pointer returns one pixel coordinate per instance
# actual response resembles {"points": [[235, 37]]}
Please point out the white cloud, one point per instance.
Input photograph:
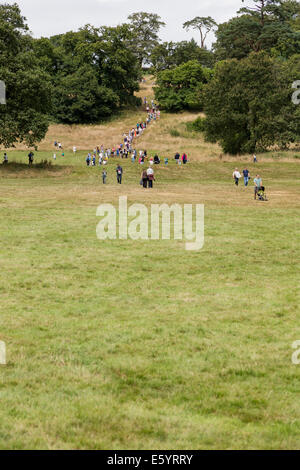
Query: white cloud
{"points": [[49, 17]]}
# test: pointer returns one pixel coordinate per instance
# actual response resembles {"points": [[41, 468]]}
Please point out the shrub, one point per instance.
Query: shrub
{"points": [[197, 126], [174, 133]]}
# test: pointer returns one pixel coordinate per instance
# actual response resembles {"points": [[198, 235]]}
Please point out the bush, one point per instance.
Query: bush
{"points": [[199, 125], [174, 133], [182, 87]]}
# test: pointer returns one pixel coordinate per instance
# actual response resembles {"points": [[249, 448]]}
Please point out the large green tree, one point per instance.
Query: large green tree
{"points": [[182, 87], [168, 55], [267, 25], [145, 27], [24, 117], [94, 72], [248, 104]]}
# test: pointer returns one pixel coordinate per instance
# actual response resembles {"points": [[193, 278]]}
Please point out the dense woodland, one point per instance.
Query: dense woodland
{"points": [[243, 83]]}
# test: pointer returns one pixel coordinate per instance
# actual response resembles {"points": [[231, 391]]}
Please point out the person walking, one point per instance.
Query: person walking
{"points": [[30, 158], [246, 175], [254, 158], [150, 176], [184, 159], [144, 178], [119, 171], [257, 185], [5, 159], [236, 176], [88, 160], [104, 176]]}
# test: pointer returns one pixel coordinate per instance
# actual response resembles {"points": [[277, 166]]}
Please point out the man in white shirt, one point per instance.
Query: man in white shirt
{"points": [[150, 175], [236, 176]]}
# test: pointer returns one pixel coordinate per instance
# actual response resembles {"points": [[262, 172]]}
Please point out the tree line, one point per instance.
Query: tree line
{"points": [[243, 83]]}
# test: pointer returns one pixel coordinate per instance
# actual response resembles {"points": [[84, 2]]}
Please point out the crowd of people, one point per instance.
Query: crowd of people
{"points": [[258, 183], [126, 150]]}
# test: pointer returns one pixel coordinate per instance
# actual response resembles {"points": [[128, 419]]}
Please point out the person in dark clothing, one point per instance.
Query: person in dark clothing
{"points": [[177, 157], [144, 178], [30, 158], [246, 177], [119, 171], [156, 160]]}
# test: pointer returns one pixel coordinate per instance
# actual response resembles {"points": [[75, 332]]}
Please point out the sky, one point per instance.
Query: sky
{"points": [[49, 17]]}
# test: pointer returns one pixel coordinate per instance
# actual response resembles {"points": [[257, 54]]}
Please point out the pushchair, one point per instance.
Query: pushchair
{"points": [[261, 193]]}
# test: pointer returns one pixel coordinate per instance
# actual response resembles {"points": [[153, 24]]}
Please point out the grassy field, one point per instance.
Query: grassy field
{"points": [[143, 345]]}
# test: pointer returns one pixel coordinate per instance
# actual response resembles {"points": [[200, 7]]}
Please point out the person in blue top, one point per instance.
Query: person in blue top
{"points": [[257, 185], [30, 157], [88, 160], [246, 177]]}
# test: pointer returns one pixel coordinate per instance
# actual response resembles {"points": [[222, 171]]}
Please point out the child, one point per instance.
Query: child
{"points": [[166, 161]]}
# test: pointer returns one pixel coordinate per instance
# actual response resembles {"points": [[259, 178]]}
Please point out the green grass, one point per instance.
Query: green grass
{"points": [[142, 345]]}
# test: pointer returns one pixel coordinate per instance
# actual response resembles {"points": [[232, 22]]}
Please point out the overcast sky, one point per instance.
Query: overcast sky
{"points": [[49, 17]]}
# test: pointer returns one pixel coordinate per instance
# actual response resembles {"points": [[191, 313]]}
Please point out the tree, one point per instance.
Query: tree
{"points": [[80, 99], [237, 38], [171, 54], [269, 25], [145, 27], [204, 24], [248, 105], [182, 87], [94, 72], [282, 10], [24, 117]]}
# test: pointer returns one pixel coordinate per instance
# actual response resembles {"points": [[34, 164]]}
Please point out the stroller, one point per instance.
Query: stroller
{"points": [[261, 193]]}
